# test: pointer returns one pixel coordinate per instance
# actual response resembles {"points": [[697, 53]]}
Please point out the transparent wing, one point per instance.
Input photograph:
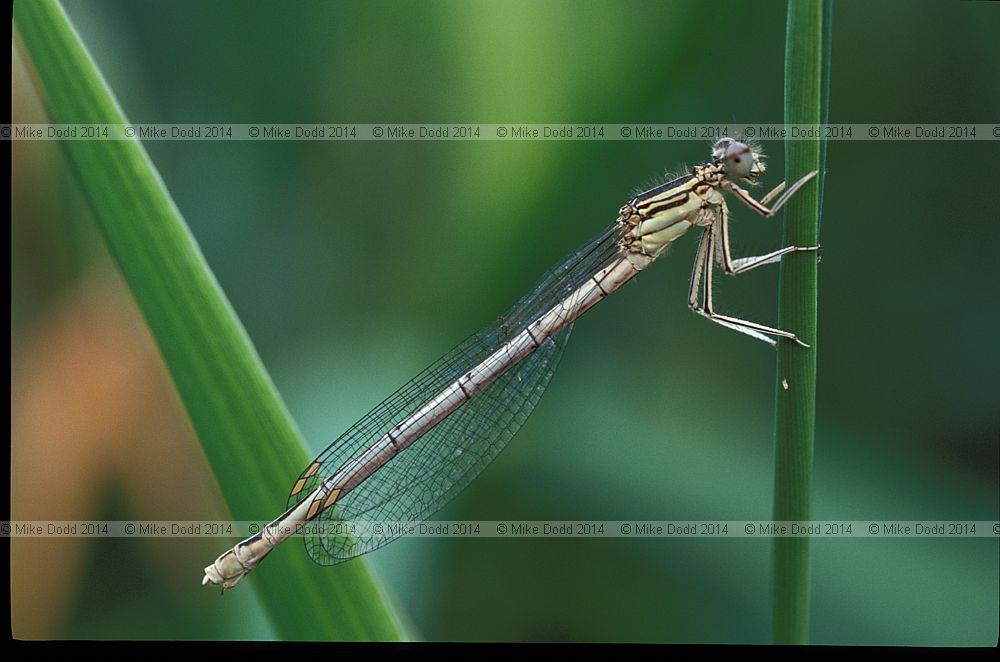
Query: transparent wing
{"points": [[425, 476]]}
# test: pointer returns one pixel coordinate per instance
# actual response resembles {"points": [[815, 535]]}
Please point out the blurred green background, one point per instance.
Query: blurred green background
{"points": [[354, 264]]}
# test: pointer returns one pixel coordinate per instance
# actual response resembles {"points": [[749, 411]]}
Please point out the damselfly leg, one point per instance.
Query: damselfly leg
{"points": [[714, 247], [761, 207], [735, 266], [703, 305]]}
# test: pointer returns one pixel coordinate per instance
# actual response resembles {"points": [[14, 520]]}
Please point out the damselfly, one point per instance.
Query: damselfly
{"points": [[425, 443]]}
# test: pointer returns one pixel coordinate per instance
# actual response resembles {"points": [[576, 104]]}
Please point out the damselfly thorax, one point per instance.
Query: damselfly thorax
{"points": [[660, 216]]}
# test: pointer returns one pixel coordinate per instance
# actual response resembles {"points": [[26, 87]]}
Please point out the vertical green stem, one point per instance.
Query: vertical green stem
{"points": [[807, 52], [248, 436]]}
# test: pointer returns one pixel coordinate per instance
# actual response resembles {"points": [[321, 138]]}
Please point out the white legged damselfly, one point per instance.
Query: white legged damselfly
{"points": [[419, 448]]}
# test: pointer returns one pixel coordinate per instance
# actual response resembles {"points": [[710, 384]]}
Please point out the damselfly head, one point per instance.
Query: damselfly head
{"points": [[741, 160]]}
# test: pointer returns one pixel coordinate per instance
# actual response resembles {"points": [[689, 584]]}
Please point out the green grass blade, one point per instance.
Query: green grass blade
{"points": [[247, 434], [807, 61]]}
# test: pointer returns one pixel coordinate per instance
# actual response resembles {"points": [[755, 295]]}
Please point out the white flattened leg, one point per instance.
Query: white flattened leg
{"points": [[775, 191], [741, 265], [697, 274], [705, 252], [761, 207]]}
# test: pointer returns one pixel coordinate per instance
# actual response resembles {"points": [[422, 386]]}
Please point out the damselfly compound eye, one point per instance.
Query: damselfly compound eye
{"points": [[719, 148], [738, 159]]}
